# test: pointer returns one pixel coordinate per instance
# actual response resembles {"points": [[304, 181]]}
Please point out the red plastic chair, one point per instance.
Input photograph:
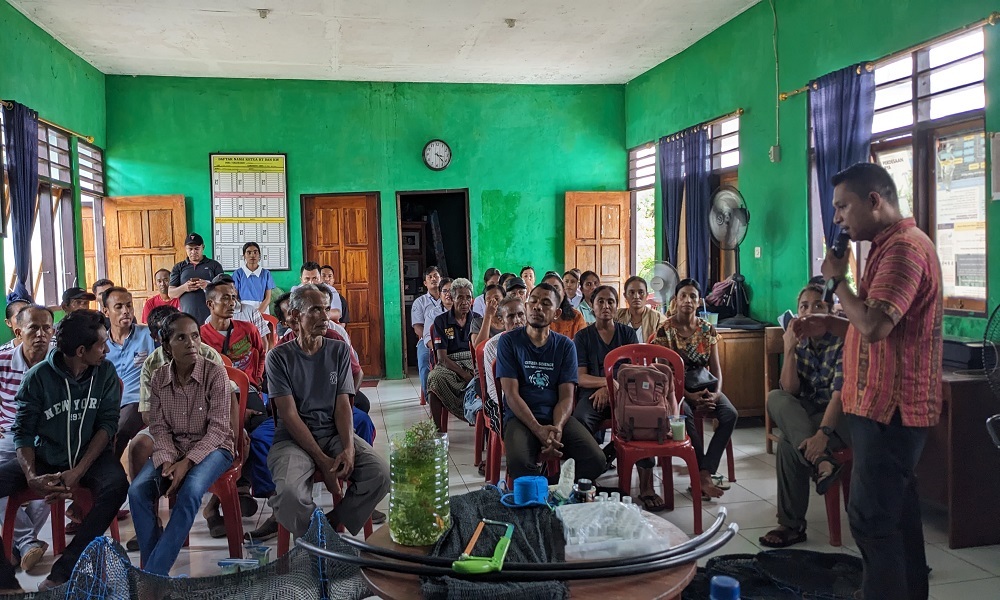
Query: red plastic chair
{"points": [[81, 496], [481, 439], [225, 486], [491, 442], [226, 361], [845, 457], [273, 336], [284, 536], [631, 451]]}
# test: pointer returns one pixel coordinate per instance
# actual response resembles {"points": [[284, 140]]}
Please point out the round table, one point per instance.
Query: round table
{"points": [[658, 585]]}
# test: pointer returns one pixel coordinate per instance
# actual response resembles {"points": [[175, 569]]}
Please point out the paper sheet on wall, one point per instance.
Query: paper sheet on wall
{"points": [[250, 204], [961, 214]]}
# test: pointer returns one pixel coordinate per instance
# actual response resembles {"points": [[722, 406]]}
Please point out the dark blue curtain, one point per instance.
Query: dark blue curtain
{"points": [[21, 131], [842, 106], [671, 158], [698, 186]]}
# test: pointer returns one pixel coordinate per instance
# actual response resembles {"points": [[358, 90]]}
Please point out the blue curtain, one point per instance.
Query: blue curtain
{"points": [[671, 157], [698, 185], [21, 130], [842, 106]]}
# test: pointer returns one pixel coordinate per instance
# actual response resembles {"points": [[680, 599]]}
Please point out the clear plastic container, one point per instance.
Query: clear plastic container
{"points": [[419, 504]]}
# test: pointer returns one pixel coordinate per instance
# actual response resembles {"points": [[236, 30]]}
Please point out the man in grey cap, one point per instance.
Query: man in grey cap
{"points": [[75, 298], [515, 286], [189, 278]]}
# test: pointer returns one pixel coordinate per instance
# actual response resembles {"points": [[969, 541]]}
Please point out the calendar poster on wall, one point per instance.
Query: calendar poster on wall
{"points": [[250, 204]]}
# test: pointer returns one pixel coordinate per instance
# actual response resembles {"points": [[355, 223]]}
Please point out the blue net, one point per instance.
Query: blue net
{"points": [[104, 572]]}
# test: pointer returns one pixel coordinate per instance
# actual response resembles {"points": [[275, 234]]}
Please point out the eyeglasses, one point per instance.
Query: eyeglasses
{"points": [[446, 292]]}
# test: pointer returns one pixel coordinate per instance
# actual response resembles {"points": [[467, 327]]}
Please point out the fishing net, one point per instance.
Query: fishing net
{"points": [[782, 575], [105, 573]]}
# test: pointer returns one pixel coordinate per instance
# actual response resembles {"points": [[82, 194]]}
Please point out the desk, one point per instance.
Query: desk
{"points": [[959, 466], [659, 585]]}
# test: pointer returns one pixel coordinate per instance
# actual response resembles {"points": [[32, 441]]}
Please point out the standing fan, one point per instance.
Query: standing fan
{"points": [[991, 342], [663, 283], [728, 221]]}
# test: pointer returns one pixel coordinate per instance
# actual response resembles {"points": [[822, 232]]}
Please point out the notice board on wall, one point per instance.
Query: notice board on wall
{"points": [[250, 204]]}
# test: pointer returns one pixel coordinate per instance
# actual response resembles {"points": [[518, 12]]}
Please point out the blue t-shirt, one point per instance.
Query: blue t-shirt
{"points": [[128, 358], [252, 286], [539, 371]]}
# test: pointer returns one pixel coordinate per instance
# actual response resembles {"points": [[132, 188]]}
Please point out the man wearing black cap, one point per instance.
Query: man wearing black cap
{"points": [[515, 286], [189, 278], [75, 298]]}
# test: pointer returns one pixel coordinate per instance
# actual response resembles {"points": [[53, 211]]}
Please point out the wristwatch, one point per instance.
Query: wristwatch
{"points": [[827, 431]]}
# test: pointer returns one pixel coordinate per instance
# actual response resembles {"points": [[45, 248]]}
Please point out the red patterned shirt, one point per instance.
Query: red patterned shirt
{"points": [[903, 371]]}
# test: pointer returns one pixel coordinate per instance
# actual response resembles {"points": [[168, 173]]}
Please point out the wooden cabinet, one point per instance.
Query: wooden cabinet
{"points": [[741, 354]]}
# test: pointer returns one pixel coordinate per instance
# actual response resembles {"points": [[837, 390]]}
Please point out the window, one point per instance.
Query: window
{"points": [[91, 162], [53, 252], [642, 184], [92, 189], [928, 133]]}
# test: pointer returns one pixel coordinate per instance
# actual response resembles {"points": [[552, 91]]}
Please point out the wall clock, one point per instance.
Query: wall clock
{"points": [[437, 155]]}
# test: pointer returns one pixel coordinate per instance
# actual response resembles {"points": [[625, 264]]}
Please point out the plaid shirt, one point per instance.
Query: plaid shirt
{"points": [[193, 419], [820, 367]]}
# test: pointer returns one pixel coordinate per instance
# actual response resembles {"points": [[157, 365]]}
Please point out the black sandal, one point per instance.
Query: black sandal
{"points": [[823, 482], [787, 536]]}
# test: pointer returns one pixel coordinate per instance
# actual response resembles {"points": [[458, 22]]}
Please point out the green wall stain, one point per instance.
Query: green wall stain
{"points": [[517, 149], [733, 67]]}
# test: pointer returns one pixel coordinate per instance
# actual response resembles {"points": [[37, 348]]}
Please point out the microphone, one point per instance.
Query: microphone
{"points": [[838, 249]]}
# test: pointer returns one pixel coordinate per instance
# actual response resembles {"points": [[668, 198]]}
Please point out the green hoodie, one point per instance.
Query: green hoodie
{"points": [[59, 415]]}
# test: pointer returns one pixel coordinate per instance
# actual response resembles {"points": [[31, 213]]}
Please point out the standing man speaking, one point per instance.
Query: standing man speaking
{"points": [[892, 375], [190, 277]]}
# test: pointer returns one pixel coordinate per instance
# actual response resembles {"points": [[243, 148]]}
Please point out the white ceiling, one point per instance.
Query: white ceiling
{"points": [[552, 41]]}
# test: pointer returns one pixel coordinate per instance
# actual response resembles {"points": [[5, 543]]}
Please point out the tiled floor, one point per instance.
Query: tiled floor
{"points": [[957, 574]]}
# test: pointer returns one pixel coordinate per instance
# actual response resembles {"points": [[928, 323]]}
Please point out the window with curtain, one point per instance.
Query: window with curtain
{"points": [[642, 185], [53, 249], [928, 133]]}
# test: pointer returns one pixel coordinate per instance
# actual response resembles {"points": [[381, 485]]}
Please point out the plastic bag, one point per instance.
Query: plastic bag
{"points": [[597, 530]]}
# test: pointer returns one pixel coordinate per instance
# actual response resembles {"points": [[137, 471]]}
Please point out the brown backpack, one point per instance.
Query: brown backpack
{"points": [[644, 402]]}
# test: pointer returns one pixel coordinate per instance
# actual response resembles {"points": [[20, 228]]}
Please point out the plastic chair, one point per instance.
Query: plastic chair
{"points": [[273, 336], [225, 486], [845, 457], [631, 451], [284, 536], [699, 423], [492, 443], [227, 361], [481, 439], [81, 496]]}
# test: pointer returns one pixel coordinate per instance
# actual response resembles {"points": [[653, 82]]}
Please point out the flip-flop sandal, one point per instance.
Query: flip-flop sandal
{"points": [[788, 537], [704, 497], [248, 506], [648, 503], [216, 526], [823, 482], [721, 482]]}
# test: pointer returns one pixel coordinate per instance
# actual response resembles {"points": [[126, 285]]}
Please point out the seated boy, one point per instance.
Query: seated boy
{"points": [[807, 411]]}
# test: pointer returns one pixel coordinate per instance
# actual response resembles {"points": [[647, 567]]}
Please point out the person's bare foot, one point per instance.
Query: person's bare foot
{"points": [[11, 591], [650, 500], [708, 487]]}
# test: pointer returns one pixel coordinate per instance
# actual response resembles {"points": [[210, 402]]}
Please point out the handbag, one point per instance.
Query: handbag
{"points": [[699, 380]]}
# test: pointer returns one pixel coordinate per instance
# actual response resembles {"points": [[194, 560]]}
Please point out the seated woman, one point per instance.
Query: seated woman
{"points": [[191, 422], [452, 339], [697, 343], [491, 315], [589, 281], [571, 281], [641, 318], [570, 320]]}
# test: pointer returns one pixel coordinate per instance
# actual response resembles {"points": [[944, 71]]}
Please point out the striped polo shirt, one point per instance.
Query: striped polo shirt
{"points": [[903, 371], [12, 370]]}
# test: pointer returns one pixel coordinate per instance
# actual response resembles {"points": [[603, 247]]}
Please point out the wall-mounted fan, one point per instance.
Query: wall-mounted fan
{"points": [[991, 347], [663, 283], [728, 221]]}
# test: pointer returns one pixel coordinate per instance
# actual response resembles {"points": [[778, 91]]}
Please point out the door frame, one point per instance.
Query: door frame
{"points": [[399, 251], [377, 197]]}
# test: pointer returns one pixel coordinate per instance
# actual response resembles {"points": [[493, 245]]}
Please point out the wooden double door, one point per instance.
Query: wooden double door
{"points": [[598, 235], [342, 231]]}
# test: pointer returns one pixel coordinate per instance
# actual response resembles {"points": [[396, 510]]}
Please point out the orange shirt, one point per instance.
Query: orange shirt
{"points": [[903, 371], [569, 328]]}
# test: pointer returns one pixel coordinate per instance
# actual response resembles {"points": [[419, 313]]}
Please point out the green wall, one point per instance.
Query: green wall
{"points": [[516, 148], [734, 68], [41, 73]]}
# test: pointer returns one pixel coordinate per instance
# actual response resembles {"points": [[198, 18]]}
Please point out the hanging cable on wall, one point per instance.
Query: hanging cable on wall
{"points": [[775, 152]]}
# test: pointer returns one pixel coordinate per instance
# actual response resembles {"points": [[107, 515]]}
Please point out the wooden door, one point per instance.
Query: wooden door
{"points": [[342, 231], [598, 234], [143, 234], [89, 247]]}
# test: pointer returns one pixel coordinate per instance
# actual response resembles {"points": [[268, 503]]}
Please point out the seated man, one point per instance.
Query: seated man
{"points": [[247, 313], [129, 343], [75, 298], [67, 415], [191, 420], [311, 387], [807, 410], [241, 343], [336, 300], [33, 331], [312, 273], [593, 407], [538, 373], [511, 311], [448, 382], [161, 281]]}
